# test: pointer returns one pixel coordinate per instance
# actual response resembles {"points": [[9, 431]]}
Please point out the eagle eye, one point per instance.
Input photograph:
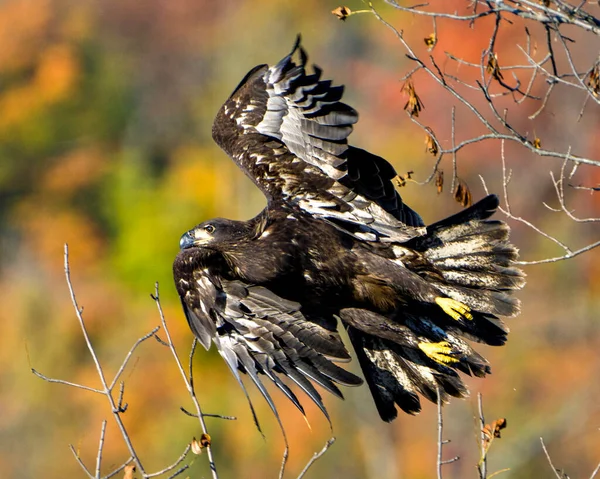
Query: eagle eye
{"points": [[210, 229]]}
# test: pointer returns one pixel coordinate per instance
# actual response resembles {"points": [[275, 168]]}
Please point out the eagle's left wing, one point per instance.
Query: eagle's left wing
{"points": [[288, 130], [260, 333]]}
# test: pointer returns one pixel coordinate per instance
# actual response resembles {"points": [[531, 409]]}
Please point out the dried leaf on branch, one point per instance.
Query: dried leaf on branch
{"points": [[439, 181], [593, 81], [199, 444], [492, 431], [462, 193], [341, 12], [129, 470], [493, 68], [430, 143], [402, 179], [430, 41], [414, 104]]}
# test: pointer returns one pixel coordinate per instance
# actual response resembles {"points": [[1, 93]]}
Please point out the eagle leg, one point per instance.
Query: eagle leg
{"points": [[441, 352], [455, 309]]}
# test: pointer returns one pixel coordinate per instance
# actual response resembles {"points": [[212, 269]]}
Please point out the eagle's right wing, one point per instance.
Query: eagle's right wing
{"points": [[260, 333], [288, 130]]}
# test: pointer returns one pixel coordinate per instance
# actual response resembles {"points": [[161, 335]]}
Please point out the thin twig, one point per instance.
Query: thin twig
{"points": [[569, 253], [556, 259], [188, 384], [120, 406], [559, 186], [525, 9], [179, 471], [117, 408], [286, 454], [554, 470], [453, 137], [99, 370], [513, 135], [498, 472], [482, 466], [118, 469], [66, 383], [440, 438], [100, 447], [129, 355], [218, 416], [179, 460], [440, 428], [78, 459], [316, 456]]}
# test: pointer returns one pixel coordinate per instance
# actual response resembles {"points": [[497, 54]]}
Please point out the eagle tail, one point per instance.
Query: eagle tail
{"points": [[385, 374], [420, 350], [474, 258], [398, 374], [406, 354]]}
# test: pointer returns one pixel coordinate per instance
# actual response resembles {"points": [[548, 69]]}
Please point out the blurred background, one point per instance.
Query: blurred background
{"points": [[105, 144]]}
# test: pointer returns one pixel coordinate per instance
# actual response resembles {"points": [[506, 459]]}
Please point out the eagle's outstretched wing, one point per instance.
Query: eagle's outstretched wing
{"points": [[260, 333], [288, 130]]}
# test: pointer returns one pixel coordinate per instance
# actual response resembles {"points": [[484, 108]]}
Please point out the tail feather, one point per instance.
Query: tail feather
{"points": [[483, 328], [397, 369], [418, 349], [481, 210], [396, 376], [470, 259], [491, 302], [388, 382]]}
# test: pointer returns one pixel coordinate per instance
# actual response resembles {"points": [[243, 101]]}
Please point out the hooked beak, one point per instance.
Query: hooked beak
{"points": [[186, 241]]}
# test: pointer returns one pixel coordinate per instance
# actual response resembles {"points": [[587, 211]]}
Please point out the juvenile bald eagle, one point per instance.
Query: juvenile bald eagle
{"points": [[336, 247]]}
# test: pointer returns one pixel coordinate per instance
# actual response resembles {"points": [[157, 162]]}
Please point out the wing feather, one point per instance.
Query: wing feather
{"points": [[288, 131], [260, 333]]}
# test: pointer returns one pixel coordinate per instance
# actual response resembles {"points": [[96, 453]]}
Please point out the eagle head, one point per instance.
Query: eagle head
{"points": [[214, 232]]}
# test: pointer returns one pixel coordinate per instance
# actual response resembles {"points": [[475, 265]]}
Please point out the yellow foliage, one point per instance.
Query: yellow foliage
{"points": [[197, 178], [54, 79], [17, 105], [57, 72]]}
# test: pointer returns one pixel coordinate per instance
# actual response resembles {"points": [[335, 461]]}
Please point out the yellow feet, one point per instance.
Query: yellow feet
{"points": [[440, 352], [455, 309]]}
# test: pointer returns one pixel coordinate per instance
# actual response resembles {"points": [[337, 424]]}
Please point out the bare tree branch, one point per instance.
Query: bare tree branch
{"points": [[188, 381], [106, 390], [118, 407], [129, 354], [66, 383], [569, 253], [482, 466], [179, 460], [100, 447], [315, 457], [556, 471], [440, 439], [549, 59], [78, 459], [118, 469], [535, 11]]}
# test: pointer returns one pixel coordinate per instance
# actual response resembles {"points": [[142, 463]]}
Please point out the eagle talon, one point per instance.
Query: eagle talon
{"points": [[439, 352], [455, 309]]}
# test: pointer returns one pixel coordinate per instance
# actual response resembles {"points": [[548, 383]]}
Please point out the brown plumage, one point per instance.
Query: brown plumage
{"points": [[336, 245]]}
